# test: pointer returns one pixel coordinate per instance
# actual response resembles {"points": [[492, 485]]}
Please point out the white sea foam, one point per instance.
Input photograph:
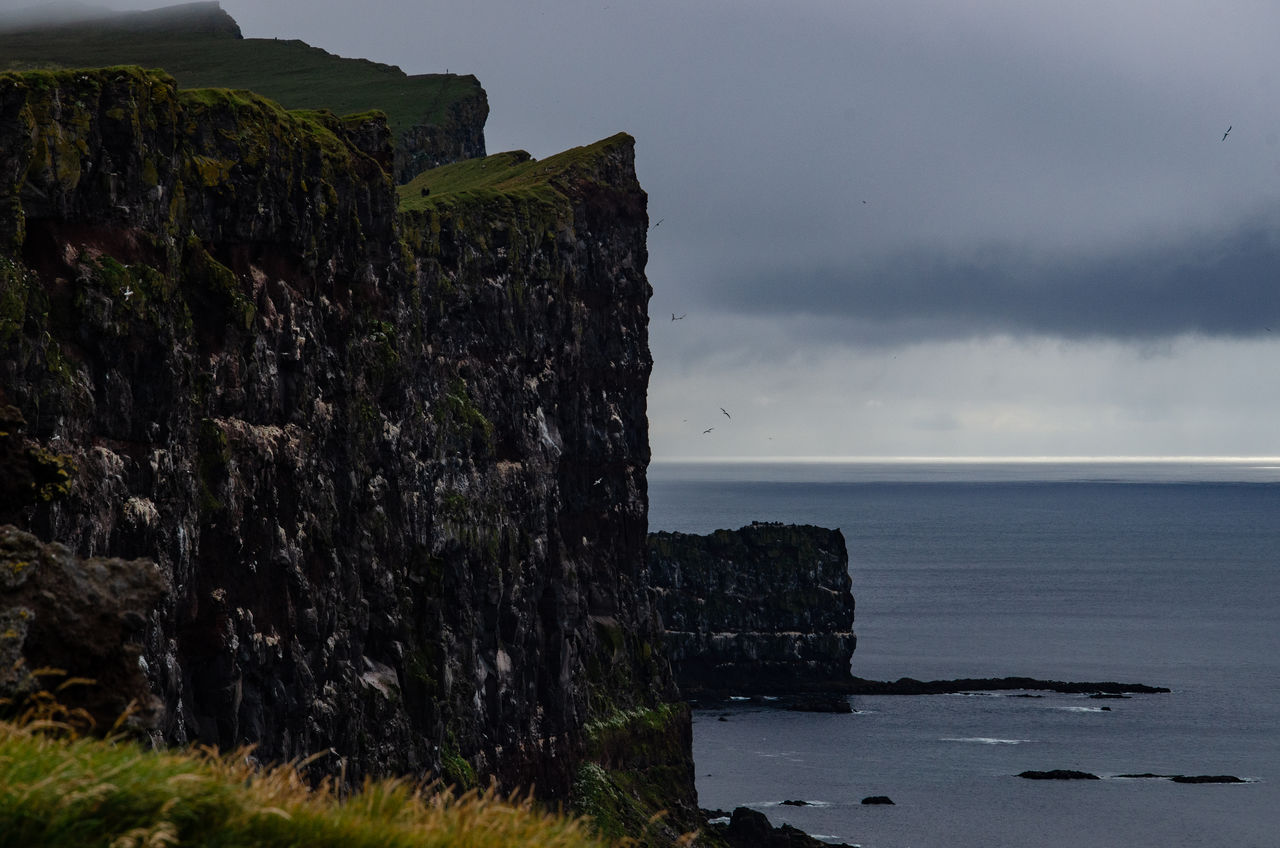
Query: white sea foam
{"points": [[984, 740]]}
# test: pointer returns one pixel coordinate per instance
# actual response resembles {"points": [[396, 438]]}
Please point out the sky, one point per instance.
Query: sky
{"points": [[943, 228]]}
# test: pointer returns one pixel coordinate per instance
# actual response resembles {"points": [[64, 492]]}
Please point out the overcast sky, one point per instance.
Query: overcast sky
{"points": [[932, 228]]}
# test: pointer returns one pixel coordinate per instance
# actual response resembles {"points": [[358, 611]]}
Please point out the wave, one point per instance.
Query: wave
{"points": [[984, 740]]}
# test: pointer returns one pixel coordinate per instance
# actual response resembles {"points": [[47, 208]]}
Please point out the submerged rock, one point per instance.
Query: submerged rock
{"points": [[820, 704]]}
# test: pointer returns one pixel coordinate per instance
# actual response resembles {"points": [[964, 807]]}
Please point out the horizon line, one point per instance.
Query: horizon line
{"points": [[961, 460]]}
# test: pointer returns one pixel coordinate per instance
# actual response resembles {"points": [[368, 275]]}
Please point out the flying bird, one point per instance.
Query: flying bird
{"points": [[655, 226], [128, 292], [1227, 133], [708, 430], [675, 317], [726, 413]]}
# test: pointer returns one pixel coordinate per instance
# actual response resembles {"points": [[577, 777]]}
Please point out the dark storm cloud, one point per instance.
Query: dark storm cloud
{"points": [[1219, 285]]}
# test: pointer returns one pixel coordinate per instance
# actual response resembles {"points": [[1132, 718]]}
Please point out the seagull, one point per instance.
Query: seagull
{"points": [[655, 226], [1227, 133], [726, 413], [708, 430], [675, 317], [128, 292]]}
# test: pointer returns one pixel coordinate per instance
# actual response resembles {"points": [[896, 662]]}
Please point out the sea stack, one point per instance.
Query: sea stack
{"points": [[764, 609]]}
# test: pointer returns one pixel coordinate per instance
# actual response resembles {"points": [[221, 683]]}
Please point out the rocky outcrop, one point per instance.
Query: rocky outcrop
{"points": [[761, 609], [748, 828], [1058, 774], [393, 465], [911, 686], [66, 619], [67, 624]]}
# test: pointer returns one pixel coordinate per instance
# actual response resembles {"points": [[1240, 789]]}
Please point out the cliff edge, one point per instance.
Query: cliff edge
{"points": [[433, 118], [390, 460]]}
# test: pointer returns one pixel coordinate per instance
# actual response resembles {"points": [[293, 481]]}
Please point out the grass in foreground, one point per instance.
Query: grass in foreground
{"points": [[57, 790]]}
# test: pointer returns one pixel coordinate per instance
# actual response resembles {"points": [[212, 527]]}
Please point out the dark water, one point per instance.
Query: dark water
{"points": [[1167, 574]]}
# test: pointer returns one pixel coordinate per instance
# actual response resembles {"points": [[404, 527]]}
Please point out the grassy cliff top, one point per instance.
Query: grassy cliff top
{"points": [[201, 46], [512, 173], [59, 791]]}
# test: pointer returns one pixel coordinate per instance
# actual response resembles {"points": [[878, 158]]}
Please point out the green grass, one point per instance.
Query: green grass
{"points": [[291, 72], [513, 174], [57, 791]]}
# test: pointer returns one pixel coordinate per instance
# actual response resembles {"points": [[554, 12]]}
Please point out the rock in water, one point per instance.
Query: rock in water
{"points": [[1059, 774]]}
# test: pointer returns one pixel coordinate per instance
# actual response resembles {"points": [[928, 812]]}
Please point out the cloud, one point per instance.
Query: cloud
{"points": [[994, 396], [1216, 284]]}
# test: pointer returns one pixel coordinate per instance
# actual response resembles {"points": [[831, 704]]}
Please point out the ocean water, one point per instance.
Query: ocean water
{"points": [[1160, 573]]}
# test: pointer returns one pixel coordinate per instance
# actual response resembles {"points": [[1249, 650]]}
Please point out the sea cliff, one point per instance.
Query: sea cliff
{"points": [[388, 453], [763, 609], [434, 118]]}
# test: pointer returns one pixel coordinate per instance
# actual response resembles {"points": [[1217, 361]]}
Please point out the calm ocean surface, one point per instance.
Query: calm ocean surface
{"points": [[1159, 573]]}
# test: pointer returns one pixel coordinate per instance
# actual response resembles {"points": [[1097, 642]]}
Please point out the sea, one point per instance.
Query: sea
{"points": [[1163, 573]]}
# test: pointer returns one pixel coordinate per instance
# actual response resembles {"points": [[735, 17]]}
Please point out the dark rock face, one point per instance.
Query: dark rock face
{"points": [[81, 617], [750, 828], [764, 608], [393, 467], [460, 136]]}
